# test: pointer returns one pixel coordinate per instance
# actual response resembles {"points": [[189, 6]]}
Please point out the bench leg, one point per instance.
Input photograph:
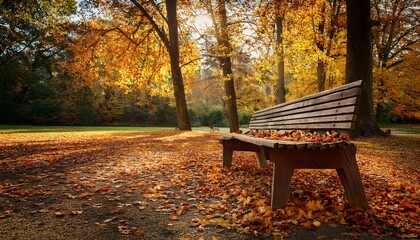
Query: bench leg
{"points": [[227, 155], [262, 160], [351, 180], [282, 176]]}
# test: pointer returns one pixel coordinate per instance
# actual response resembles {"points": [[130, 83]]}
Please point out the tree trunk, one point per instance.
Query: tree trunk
{"points": [[226, 65], [359, 63], [280, 89], [321, 75], [183, 121], [320, 70]]}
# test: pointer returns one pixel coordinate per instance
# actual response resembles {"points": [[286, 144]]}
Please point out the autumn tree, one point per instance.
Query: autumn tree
{"points": [[403, 91], [123, 61], [170, 40], [327, 23], [33, 36], [217, 11], [395, 32], [359, 63], [315, 45], [306, 51], [280, 11], [34, 27], [270, 25], [161, 19]]}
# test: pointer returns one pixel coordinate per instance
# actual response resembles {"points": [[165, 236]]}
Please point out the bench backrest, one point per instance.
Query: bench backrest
{"points": [[332, 109]]}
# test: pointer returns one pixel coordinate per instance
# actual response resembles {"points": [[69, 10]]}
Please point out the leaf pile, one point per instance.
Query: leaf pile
{"points": [[301, 136], [171, 183]]}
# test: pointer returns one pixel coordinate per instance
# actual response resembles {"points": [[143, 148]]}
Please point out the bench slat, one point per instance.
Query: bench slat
{"points": [[353, 85], [315, 126], [310, 102], [332, 112], [257, 141], [326, 106], [304, 121]]}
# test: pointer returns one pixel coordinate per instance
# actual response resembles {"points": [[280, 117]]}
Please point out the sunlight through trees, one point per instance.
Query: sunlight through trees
{"points": [[195, 63]]}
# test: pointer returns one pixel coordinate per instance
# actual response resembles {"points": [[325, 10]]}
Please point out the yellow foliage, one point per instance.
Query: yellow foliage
{"points": [[301, 53], [399, 87], [105, 58]]}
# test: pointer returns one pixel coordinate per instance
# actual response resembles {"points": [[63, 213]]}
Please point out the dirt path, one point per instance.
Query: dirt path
{"points": [[169, 185]]}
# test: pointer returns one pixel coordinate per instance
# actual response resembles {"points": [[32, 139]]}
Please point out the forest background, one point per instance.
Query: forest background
{"points": [[98, 62]]}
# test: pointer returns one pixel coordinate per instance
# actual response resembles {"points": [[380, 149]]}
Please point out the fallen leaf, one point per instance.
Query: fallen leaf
{"points": [[138, 232], [6, 214], [103, 189], [141, 203], [86, 195], [76, 212], [118, 211], [110, 219], [307, 225], [195, 222], [60, 214], [314, 206], [124, 230], [316, 223]]}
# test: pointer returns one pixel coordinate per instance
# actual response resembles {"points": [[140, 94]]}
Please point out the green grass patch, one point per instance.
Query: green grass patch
{"points": [[38, 129], [406, 128]]}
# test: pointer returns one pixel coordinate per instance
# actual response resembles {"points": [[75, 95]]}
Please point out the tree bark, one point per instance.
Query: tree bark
{"points": [[280, 89], [226, 65], [183, 120], [320, 70], [359, 63], [321, 75]]}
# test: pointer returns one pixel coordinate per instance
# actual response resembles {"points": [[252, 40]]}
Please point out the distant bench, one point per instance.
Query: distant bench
{"points": [[334, 109]]}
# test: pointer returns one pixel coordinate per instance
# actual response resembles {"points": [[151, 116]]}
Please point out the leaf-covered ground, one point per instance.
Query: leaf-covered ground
{"points": [[170, 185]]}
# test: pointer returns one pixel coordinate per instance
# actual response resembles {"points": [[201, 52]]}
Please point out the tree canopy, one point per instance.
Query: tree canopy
{"points": [[184, 63]]}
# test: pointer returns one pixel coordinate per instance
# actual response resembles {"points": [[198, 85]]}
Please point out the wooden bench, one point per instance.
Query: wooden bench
{"points": [[334, 109]]}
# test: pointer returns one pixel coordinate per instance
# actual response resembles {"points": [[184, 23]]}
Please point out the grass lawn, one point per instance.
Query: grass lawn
{"points": [[34, 128], [406, 128]]}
